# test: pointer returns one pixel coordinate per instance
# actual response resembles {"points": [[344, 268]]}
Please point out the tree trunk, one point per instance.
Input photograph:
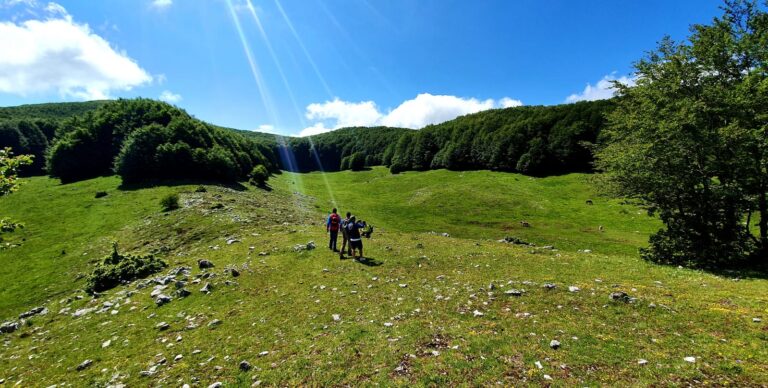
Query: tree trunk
{"points": [[763, 204]]}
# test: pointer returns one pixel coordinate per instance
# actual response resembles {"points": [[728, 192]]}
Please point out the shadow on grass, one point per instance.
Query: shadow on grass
{"points": [[185, 182], [369, 261], [754, 272]]}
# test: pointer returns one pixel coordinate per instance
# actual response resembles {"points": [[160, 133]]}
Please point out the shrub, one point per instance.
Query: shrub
{"points": [[100, 194], [201, 189], [116, 269], [357, 161], [170, 202], [259, 175]]}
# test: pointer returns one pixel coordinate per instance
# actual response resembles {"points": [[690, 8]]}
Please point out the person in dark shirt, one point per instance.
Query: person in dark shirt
{"points": [[346, 247], [355, 239]]}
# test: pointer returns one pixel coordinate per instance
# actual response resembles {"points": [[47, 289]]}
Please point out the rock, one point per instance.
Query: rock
{"points": [[183, 293], [311, 245], [162, 326], [264, 353], [477, 313], [180, 284], [214, 323], [206, 288], [491, 286], [336, 317], [513, 292], [756, 320], [388, 324], [157, 291], [106, 344], [33, 312], [235, 273], [573, 289], [690, 359], [446, 235], [554, 344], [162, 299], [9, 327], [403, 285], [216, 385], [204, 264], [538, 365], [547, 377], [81, 312], [232, 241], [178, 358], [84, 364], [642, 361], [263, 253], [549, 286], [619, 296], [245, 366]]}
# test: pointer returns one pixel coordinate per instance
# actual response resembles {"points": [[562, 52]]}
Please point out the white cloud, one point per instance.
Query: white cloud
{"points": [[169, 96], [266, 128], [602, 90], [416, 113], [507, 102], [56, 54], [346, 114], [161, 4]]}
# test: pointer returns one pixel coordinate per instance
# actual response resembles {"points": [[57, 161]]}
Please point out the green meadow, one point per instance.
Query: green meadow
{"points": [[422, 308]]}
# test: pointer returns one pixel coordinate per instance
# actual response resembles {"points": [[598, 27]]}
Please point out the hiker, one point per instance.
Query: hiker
{"points": [[346, 247], [355, 240], [332, 227]]}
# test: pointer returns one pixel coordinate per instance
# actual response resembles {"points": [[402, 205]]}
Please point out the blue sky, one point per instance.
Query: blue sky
{"points": [[322, 64]]}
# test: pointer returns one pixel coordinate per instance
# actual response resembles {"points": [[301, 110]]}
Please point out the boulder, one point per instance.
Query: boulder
{"points": [[245, 366], [162, 299], [619, 296], [207, 288], [183, 293], [234, 272], [554, 344], [84, 364], [204, 264], [513, 292], [33, 312], [9, 327]]}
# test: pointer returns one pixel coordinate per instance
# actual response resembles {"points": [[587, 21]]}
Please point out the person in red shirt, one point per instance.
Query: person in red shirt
{"points": [[332, 227]]}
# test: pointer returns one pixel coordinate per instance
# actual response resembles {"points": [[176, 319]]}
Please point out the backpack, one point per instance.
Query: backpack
{"points": [[335, 221]]}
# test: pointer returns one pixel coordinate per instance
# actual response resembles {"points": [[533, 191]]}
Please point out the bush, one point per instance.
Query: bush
{"points": [[357, 161], [201, 189], [116, 269], [259, 175], [170, 202]]}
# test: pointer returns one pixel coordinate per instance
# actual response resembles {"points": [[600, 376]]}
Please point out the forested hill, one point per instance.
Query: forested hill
{"points": [[535, 140]]}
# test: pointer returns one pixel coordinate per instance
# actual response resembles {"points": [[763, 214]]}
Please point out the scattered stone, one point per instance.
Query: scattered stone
{"points": [[554, 344], [162, 299], [549, 286], [106, 344], [477, 313], [491, 286], [388, 324], [619, 296], [547, 377], [81, 312], [263, 253], [538, 365], [214, 323], [756, 320], [642, 361], [652, 305], [183, 293], [9, 327], [162, 326], [690, 359], [573, 289], [311, 245], [206, 288], [204, 264], [446, 235], [245, 366], [264, 353], [513, 292], [33, 312], [216, 385], [403, 285], [84, 364], [232, 241], [178, 358], [235, 273], [336, 317]]}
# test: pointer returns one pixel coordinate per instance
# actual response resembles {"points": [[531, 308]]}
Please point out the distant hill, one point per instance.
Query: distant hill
{"points": [[534, 140], [53, 110]]}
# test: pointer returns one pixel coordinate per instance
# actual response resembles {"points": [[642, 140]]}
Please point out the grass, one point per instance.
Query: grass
{"points": [[283, 302]]}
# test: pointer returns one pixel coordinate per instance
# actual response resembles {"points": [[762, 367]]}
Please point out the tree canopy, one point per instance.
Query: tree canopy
{"points": [[689, 141]]}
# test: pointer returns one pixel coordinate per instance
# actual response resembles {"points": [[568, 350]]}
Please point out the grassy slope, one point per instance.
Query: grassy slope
{"points": [[484, 205], [283, 302]]}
